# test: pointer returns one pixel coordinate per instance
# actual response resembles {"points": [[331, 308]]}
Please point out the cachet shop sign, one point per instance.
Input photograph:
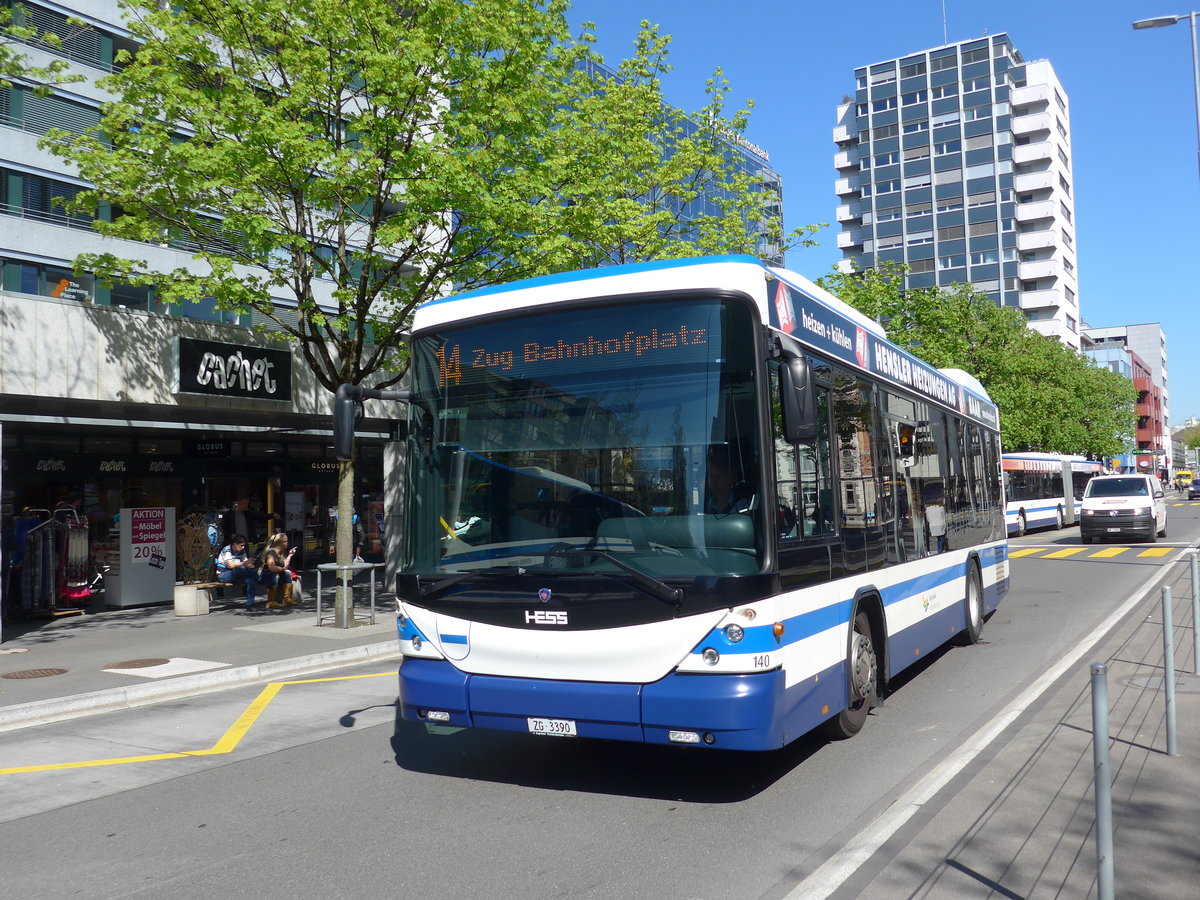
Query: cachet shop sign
{"points": [[228, 370]]}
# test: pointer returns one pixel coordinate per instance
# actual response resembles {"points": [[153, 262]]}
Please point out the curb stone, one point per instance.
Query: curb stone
{"points": [[59, 709]]}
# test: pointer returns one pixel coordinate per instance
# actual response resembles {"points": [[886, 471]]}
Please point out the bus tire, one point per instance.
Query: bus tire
{"points": [[1022, 526], [862, 668], [972, 606], [1059, 519]]}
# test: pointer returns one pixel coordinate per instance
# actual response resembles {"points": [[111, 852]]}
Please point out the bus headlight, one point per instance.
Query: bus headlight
{"points": [[734, 633]]}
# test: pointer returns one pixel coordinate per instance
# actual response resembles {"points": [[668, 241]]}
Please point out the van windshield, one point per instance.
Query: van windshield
{"points": [[1118, 487]]}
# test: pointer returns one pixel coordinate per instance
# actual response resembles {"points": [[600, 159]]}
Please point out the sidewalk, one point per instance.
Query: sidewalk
{"points": [[105, 659], [1020, 820]]}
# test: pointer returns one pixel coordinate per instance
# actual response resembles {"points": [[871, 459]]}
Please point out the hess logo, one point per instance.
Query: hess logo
{"points": [[545, 617]]}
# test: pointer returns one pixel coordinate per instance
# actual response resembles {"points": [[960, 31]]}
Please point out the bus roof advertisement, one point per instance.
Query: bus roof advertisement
{"points": [[830, 332]]}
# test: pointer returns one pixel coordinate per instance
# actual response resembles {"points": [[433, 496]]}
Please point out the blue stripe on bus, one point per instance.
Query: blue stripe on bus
{"points": [[761, 638], [453, 638]]}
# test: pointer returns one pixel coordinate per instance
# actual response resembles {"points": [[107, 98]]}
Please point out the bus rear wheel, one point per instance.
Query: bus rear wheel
{"points": [[862, 669], [973, 606], [1022, 526]]}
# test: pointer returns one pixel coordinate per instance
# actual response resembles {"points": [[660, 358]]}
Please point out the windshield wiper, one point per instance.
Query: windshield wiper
{"points": [[436, 587], [653, 586]]}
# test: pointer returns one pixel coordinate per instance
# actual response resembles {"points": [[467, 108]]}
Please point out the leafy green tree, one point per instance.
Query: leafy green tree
{"points": [[358, 159], [16, 30], [1051, 398]]}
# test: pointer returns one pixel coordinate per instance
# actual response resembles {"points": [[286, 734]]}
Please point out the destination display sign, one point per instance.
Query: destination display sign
{"points": [[656, 334], [815, 324]]}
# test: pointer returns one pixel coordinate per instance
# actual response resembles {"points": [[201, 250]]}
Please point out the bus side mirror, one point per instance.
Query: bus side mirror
{"points": [[345, 411], [799, 408]]}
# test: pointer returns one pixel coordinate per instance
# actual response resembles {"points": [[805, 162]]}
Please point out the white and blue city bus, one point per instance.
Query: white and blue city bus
{"points": [[1044, 490], [693, 502]]}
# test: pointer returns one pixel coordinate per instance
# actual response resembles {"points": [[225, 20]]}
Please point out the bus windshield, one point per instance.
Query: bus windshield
{"points": [[584, 440]]}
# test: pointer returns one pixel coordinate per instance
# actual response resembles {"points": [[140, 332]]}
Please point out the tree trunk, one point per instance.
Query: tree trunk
{"points": [[343, 592]]}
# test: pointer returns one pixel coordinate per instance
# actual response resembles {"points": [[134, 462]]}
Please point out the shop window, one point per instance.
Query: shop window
{"points": [[161, 447], [263, 450], [107, 444], [131, 296]]}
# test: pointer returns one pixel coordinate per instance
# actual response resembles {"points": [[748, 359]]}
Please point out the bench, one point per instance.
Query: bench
{"points": [[216, 591]]}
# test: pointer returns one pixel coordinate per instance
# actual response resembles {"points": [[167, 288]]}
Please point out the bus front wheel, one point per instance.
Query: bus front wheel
{"points": [[1022, 527], [862, 670]]}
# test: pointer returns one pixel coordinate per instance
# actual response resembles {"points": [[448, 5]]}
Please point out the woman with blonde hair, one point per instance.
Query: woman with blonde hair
{"points": [[276, 565]]}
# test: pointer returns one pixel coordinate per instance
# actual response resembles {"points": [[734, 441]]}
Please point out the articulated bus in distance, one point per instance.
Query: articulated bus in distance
{"points": [[1034, 487], [691, 502]]}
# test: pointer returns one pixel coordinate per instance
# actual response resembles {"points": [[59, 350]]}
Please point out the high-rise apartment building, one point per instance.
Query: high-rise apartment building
{"points": [[956, 161]]}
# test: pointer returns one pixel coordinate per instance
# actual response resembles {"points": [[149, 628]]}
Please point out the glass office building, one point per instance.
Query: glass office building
{"points": [[956, 161], [745, 158]]}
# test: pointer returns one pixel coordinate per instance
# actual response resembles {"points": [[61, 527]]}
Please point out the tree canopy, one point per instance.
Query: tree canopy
{"points": [[356, 160], [1051, 398]]}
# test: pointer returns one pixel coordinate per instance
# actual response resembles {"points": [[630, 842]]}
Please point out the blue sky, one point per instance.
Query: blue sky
{"points": [[1133, 121]]}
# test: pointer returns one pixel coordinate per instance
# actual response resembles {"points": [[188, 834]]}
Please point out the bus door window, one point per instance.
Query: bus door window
{"points": [[927, 478], [853, 422], [805, 519], [988, 463], [905, 536]]}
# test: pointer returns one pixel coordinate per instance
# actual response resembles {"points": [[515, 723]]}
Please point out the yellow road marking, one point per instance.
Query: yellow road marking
{"points": [[1110, 551], [1013, 554], [1061, 554], [228, 741], [1156, 551]]}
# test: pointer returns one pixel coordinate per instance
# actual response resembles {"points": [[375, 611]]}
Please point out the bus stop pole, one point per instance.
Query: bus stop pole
{"points": [[1169, 669], [1195, 614], [1103, 779]]}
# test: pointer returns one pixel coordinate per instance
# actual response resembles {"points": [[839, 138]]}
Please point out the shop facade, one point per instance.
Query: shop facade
{"points": [[104, 409]]}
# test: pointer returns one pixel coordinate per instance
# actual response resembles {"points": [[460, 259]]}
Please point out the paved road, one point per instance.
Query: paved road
{"points": [[310, 789]]}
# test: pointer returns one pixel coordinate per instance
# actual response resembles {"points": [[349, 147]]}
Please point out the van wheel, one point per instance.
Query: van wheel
{"points": [[972, 606], [862, 667]]}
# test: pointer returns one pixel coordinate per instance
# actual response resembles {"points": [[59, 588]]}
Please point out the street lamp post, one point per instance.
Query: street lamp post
{"points": [[1162, 22]]}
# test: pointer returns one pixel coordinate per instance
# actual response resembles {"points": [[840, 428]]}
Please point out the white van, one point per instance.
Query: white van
{"points": [[1123, 506]]}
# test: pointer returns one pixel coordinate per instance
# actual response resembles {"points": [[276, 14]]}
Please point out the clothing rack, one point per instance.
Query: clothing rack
{"points": [[53, 574]]}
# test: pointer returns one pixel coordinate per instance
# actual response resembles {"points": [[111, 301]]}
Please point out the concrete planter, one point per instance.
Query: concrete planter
{"points": [[189, 601]]}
